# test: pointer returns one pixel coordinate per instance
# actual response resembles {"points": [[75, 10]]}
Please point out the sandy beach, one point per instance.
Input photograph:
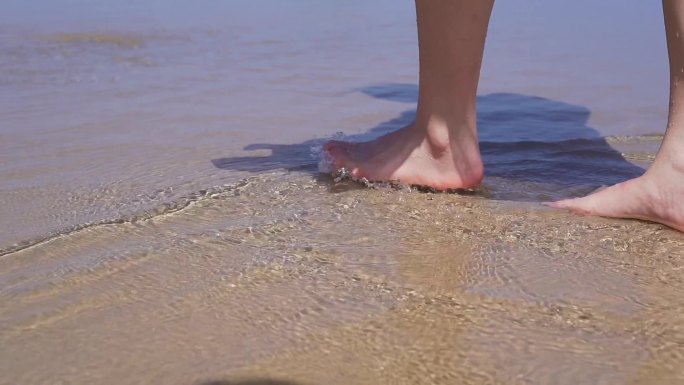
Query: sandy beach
{"points": [[164, 220], [281, 277]]}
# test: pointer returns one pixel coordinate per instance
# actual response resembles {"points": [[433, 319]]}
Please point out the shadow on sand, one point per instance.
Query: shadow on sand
{"points": [[522, 138]]}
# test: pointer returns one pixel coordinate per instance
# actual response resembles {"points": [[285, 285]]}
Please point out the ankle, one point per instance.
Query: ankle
{"points": [[447, 136], [668, 160], [666, 171], [453, 142], [676, 161]]}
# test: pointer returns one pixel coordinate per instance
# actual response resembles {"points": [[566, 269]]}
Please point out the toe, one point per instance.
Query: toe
{"points": [[337, 153], [340, 157], [579, 205], [356, 172], [624, 200]]}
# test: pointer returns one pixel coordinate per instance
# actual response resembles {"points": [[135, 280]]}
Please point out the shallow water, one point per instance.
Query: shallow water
{"points": [[163, 219]]}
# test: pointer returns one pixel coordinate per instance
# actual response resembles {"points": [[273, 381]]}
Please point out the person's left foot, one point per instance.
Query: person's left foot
{"points": [[657, 196]]}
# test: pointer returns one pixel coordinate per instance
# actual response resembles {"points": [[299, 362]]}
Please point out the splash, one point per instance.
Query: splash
{"points": [[325, 161]]}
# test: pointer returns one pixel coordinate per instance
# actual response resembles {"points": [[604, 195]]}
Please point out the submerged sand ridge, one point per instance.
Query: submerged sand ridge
{"points": [[279, 277]]}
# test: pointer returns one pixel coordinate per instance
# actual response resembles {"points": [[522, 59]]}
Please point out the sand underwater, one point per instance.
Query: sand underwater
{"points": [[163, 219], [291, 278]]}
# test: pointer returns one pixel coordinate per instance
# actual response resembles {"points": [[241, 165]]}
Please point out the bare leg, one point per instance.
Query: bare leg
{"points": [[440, 148], [658, 195]]}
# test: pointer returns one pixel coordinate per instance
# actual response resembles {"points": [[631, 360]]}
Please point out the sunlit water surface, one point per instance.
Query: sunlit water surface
{"points": [[163, 220]]}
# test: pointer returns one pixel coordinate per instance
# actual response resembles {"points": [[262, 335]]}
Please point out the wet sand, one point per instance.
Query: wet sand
{"points": [[163, 219], [282, 277]]}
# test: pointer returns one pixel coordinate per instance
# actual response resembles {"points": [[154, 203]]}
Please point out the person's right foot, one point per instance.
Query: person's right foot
{"points": [[414, 155]]}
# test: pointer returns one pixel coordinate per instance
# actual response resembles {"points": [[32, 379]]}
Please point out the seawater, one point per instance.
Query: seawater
{"points": [[163, 218]]}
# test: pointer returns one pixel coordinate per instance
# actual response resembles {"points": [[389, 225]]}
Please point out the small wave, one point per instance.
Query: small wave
{"points": [[162, 209]]}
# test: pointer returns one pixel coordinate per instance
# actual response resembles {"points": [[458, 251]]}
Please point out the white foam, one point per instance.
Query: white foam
{"points": [[325, 163]]}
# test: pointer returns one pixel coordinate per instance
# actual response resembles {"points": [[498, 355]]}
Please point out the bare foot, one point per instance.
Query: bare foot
{"points": [[657, 196], [434, 156]]}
